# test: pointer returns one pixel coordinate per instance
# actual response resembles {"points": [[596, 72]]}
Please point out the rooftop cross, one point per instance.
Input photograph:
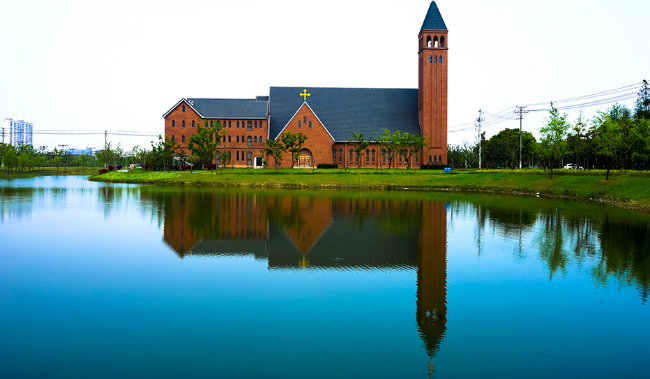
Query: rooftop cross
{"points": [[305, 94]]}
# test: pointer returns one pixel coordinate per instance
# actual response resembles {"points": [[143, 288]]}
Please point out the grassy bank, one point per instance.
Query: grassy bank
{"points": [[47, 171], [624, 191]]}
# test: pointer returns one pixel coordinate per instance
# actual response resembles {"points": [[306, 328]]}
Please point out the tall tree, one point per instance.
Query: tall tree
{"points": [[273, 149], [204, 142], [360, 145], [410, 145], [554, 133], [292, 143], [608, 138]]}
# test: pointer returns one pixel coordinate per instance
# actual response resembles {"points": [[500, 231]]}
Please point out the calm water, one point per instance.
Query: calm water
{"points": [[126, 281]]}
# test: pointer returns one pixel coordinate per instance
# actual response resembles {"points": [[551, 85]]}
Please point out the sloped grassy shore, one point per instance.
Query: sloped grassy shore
{"points": [[629, 191]]}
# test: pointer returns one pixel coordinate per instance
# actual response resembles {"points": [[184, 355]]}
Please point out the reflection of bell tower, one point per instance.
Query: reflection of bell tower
{"points": [[431, 308], [432, 85]]}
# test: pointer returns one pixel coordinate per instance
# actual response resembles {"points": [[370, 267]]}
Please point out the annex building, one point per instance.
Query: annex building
{"points": [[329, 116]]}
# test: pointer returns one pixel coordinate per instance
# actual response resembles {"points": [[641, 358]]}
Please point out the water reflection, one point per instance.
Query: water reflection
{"points": [[316, 233]]}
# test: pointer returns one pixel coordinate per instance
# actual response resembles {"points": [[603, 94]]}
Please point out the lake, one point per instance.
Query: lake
{"points": [[130, 281]]}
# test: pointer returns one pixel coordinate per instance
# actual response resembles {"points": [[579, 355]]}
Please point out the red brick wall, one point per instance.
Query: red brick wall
{"points": [[318, 140], [432, 95], [230, 125]]}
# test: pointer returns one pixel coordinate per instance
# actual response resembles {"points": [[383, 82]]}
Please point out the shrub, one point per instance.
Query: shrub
{"points": [[433, 166], [111, 168], [185, 167], [327, 165], [176, 167], [211, 166], [144, 167], [119, 167], [103, 171]]}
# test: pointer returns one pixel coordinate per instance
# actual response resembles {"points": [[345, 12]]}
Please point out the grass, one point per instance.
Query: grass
{"points": [[630, 191], [48, 171]]}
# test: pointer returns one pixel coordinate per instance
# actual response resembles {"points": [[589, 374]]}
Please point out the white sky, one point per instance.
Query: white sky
{"points": [[120, 65]]}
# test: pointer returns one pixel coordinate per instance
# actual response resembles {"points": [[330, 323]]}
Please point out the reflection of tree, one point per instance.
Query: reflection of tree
{"points": [[625, 254], [551, 243]]}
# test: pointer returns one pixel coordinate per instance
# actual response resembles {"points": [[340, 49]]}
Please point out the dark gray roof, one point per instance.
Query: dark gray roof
{"points": [[433, 20], [230, 108], [346, 110]]}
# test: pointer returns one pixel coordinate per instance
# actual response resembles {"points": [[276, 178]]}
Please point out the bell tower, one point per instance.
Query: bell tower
{"points": [[432, 86]]}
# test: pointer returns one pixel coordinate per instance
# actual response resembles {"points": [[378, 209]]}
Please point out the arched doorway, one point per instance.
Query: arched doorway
{"points": [[305, 158]]}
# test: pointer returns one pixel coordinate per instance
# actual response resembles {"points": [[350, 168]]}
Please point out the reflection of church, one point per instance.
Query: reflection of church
{"points": [[320, 233]]}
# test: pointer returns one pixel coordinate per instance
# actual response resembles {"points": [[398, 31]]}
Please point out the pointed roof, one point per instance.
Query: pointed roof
{"points": [[433, 20]]}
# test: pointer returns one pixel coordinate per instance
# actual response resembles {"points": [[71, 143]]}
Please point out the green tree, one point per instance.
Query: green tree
{"points": [[608, 139], [554, 133], [204, 142], [360, 145], [273, 149], [410, 145], [292, 143], [390, 143], [163, 152]]}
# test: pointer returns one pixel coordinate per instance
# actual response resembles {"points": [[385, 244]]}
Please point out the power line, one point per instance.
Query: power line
{"points": [[611, 96]]}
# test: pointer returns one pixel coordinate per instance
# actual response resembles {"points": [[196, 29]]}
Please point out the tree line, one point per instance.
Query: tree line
{"points": [[618, 138]]}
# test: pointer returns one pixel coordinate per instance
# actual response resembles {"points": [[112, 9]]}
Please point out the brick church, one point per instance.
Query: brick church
{"points": [[329, 116]]}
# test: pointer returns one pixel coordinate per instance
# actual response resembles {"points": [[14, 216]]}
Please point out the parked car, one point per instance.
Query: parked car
{"points": [[570, 166]]}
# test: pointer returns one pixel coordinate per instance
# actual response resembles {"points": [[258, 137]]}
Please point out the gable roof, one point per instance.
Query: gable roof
{"points": [[433, 19], [346, 110], [228, 108]]}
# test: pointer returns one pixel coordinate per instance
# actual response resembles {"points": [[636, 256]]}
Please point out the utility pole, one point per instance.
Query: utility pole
{"points": [[3, 134], [105, 137], [521, 113], [479, 120]]}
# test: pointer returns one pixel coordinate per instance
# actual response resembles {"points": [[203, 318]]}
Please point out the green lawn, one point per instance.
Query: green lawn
{"points": [[47, 171], [628, 191]]}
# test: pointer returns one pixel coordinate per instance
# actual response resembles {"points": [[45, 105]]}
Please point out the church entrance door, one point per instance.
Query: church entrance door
{"points": [[305, 158]]}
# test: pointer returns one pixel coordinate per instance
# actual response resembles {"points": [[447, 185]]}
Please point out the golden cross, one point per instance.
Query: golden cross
{"points": [[305, 94]]}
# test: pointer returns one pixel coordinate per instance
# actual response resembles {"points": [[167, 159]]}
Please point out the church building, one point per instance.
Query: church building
{"points": [[329, 116]]}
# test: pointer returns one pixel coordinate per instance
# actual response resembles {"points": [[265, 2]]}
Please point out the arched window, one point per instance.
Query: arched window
{"points": [[249, 141], [429, 158], [350, 160], [229, 139], [416, 160], [442, 41], [249, 126], [340, 156], [192, 123], [310, 124], [440, 60], [373, 156], [255, 124], [440, 158], [333, 156], [428, 41], [182, 138], [183, 107], [260, 139], [224, 138], [304, 120], [183, 123], [255, 139], [237, 138], [356, 157], [249, 158], [400, 158], [173, 138], [173, 123], [299, 124], [237, 155], [230, 124], [430, 59], [367, 156], [435, 59], [435, 41], [434, 159]]}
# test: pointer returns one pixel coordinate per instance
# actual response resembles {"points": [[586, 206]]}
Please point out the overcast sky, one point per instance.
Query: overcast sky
{"points": [[120, 65]]}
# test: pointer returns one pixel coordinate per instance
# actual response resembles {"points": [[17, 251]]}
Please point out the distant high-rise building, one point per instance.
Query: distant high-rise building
{"points": [[20, 132]]}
